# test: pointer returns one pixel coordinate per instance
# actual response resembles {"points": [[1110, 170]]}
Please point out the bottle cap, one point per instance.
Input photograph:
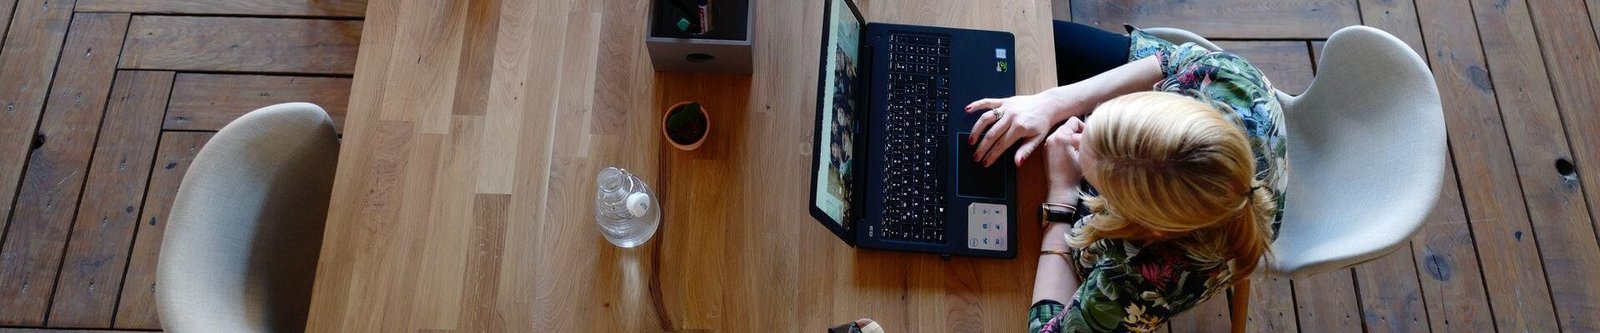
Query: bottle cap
{"points": [[638, 204]]}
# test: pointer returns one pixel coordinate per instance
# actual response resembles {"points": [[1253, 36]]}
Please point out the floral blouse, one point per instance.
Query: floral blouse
{"points": [[1135, 287]]}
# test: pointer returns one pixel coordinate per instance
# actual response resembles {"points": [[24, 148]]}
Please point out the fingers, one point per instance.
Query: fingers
{"points": [[994, 133], [1027, 148], [984, 104], [984, 121], [1074, 125], [997, 143]]}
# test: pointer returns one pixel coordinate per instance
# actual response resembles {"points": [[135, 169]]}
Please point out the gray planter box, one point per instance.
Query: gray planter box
{"points": [[726, 49]]}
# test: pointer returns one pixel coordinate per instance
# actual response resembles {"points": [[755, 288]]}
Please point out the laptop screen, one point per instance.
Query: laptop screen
{"points": [[839, 107]]}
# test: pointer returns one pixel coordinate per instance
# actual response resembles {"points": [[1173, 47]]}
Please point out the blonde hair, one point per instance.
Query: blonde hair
{"points": [[1173, 164]]}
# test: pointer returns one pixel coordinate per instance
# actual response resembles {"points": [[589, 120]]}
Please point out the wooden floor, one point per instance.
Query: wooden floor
{"points": [[106, 101]]}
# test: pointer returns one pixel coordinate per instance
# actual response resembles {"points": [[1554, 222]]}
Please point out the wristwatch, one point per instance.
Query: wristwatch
{"points": [[1057, 213]]}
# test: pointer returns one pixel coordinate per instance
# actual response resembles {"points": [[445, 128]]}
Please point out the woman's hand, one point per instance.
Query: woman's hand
{"points": [[1062, 169], [1023, 118]]}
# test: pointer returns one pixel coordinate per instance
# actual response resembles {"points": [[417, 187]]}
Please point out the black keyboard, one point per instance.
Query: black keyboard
{"points": [[914, 169]]}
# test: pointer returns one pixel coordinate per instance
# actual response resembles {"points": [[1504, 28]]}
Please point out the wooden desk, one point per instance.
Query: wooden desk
{"points": [[464, 194]]}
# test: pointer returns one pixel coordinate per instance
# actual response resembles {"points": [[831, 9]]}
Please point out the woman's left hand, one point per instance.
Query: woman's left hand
{"points": [[1018, 120]]}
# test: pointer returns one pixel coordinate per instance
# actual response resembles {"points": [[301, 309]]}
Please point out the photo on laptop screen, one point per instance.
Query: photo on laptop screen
{"points": [[839, 111]]}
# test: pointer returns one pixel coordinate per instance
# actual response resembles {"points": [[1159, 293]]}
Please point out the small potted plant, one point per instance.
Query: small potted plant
{"points": [[685, 125]]}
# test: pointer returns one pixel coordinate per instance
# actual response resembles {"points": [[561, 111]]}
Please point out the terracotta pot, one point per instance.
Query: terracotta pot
{"points": [[690, 146]]}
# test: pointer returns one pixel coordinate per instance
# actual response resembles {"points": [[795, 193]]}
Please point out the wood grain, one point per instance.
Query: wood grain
{"points": [[565, 99], [1327, 302], [1272, 307], [206, 102], [1513, 272], [1210, 316], [1061, 10], [239, 44], [51, 330], [314, 8], [55, 173], [1449, 271], [102, 234], [136, 308], [1571, 254], [1222, 19], [6, 8], [32, 47]]}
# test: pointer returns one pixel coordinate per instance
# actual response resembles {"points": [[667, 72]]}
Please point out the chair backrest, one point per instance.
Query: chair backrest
{"points": [[241, 243], [1366, 152]]}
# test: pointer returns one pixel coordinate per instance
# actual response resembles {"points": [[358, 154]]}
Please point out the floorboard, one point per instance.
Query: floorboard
{"points": [[254, 45], [1448, 266], [136, 308], [97, 254], [206, 102], [310, 8], [27, 64], [1223, 19], [1513, 271], [1571, 252], [56, 169]]}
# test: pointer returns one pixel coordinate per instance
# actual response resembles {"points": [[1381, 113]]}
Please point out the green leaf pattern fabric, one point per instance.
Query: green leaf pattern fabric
{"points": [[1129, 287]]}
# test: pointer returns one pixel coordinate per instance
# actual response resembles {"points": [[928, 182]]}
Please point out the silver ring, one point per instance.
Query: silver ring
{"points": [[998, 113]]}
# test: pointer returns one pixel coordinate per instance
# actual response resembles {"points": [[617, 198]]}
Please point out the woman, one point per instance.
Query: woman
{"points": [[1187, 179]]}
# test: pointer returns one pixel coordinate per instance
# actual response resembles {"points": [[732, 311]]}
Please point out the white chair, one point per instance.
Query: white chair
{"points": [[241, 243], [1366, 154]]}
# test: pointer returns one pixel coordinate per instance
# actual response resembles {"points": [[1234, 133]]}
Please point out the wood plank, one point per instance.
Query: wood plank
{"points": [[1271, 306], [1327, 302], [311, 8], [1061, 10], [365, 94], [1209, 316], [1513, 272], [1287, 64], [1222, 19], [1398, 18], [1450, 275], [52, 330], [207, 102], [1571, 253], [6, 7], [136, 308], [102, 233], [240, 44], [32, 47], [55, 173]]}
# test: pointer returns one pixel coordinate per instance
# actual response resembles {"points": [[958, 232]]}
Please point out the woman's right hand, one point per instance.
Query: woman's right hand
{"points": [[1063, 171], [1024, 119]]}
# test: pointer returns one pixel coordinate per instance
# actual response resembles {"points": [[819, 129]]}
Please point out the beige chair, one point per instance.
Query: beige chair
{"points": [[241, 242], [1366, 155]]}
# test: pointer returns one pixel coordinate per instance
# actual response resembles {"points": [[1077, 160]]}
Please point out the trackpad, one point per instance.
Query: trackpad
{"points": [[977, 180]]}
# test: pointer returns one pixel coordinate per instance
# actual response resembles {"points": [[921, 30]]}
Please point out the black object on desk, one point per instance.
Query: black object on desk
{"points": [[682, 40]]}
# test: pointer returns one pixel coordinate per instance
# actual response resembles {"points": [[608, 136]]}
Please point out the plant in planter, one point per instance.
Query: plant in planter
{"points": [[686, 125]]}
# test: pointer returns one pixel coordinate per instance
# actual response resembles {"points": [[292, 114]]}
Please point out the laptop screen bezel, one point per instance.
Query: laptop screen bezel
{"points": [[842, 229]]}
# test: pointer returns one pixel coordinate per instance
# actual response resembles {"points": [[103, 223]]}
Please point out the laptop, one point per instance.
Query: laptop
{"points": [[891, 167]]}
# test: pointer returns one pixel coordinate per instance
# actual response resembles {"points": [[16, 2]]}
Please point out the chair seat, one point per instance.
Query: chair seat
{"points": [[1366, 152]]}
